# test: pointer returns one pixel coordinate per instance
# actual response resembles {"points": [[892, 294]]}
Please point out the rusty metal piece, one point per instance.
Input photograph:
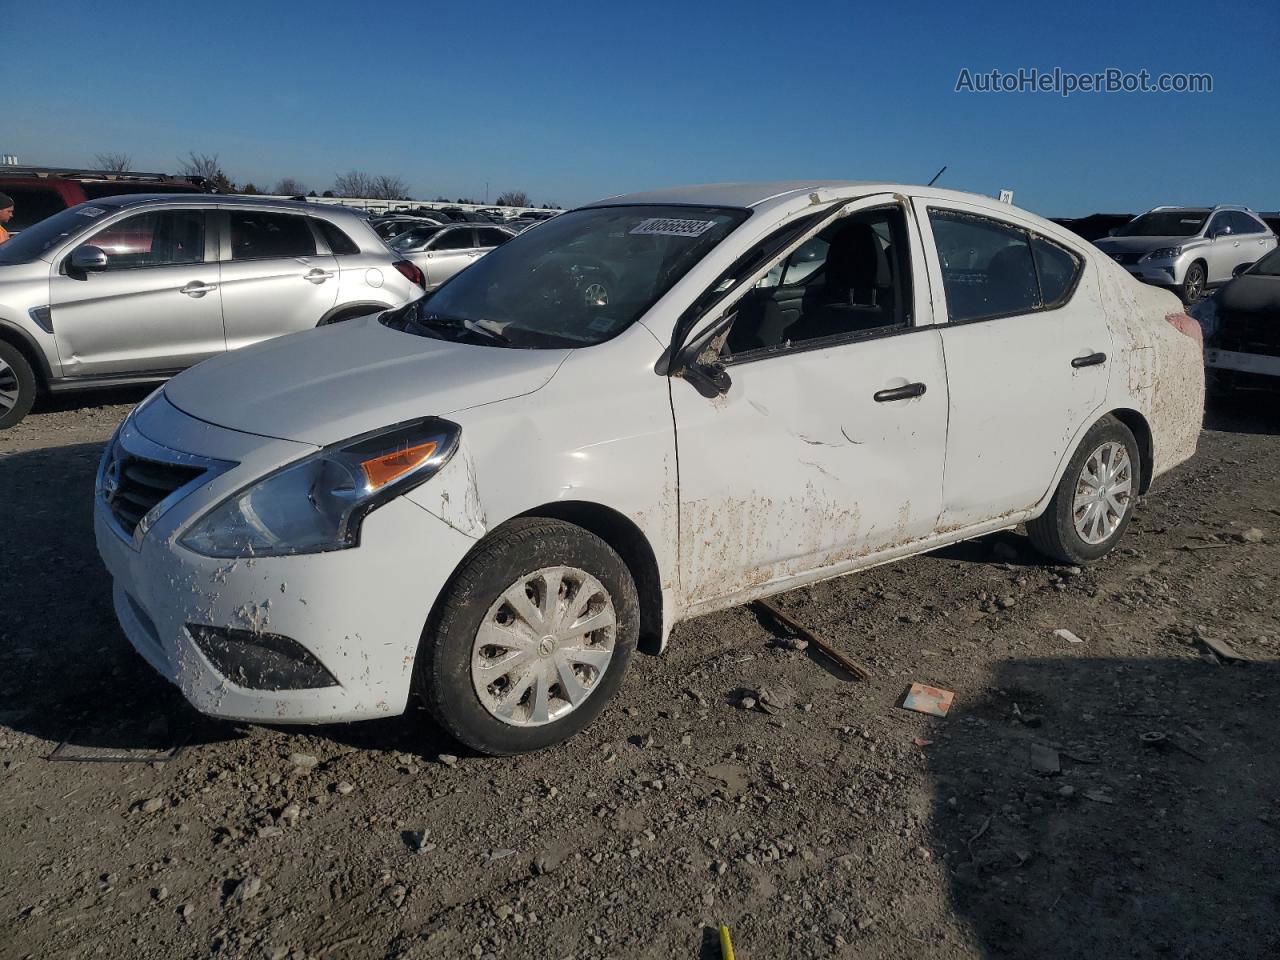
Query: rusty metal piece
{"points": [[855, 668], [1223, 649]]}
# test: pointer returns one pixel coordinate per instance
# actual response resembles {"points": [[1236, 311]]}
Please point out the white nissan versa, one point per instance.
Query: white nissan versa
{"points": [[646, 409]]}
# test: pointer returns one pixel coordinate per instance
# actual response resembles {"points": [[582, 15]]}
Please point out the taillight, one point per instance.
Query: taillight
{"points": [[1185, 324], [411, 272]]}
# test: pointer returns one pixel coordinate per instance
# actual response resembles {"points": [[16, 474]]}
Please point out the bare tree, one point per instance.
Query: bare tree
{"points": [[114, 162], [386, 187], [290, 187], [513, 198], [206, 165], [353, 183]]}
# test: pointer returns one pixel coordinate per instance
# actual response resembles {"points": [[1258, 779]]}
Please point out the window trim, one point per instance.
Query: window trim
{"points": [[210, 241], [1081, 262]]}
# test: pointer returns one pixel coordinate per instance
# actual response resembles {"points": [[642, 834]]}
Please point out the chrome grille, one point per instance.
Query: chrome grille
{"points": [[133, 486]]}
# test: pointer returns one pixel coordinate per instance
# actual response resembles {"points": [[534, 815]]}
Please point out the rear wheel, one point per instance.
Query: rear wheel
{"points": [[17, 385], [1095, 499], [532, 639], [1193, 283]]}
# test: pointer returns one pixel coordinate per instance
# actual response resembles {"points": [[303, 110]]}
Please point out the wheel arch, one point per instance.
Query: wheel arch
{"points": [[1141, 431], [21, 341], [622, 534], [349, 311]]}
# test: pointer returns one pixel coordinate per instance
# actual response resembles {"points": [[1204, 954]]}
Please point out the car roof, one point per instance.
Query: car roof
{"points": [[230, 199]]}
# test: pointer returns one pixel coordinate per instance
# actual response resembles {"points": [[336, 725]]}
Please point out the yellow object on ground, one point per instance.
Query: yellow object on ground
{"points": [[726, 945]]}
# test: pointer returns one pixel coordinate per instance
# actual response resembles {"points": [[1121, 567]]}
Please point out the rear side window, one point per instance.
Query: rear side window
{"points": [[156, 239], [453, 240], [1243, 223], [995, 269], [256, 235], [32, 204], [338, 241], [492, 238]]}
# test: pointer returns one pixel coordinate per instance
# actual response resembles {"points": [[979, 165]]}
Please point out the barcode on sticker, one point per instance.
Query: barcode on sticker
{"points": [[662, 226]]}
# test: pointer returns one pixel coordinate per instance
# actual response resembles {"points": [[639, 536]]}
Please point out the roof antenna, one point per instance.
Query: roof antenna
{"points": [[937, 175]]}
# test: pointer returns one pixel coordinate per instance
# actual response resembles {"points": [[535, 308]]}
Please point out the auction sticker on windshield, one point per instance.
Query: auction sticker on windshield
{"points": [[662, 226]]}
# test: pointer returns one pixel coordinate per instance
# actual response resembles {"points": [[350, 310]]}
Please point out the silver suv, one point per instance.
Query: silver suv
{"points": [[1189, 249], [133, 289]]}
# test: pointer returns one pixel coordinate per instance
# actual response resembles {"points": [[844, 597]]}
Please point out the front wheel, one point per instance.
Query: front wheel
{"points": [[17, 385], [1095, 499], [1193, 283], [532, 638]]}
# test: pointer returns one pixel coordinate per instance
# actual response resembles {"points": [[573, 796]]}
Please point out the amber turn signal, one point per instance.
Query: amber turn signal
{"points": [[388, 467]]}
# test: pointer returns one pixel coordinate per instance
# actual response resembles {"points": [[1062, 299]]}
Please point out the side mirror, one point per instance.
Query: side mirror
{"points": [[1222, 232], [88, 259], [699, 361]]}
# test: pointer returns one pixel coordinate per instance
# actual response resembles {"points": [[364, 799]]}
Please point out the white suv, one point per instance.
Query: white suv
{"points": [[135, 288], [646, 409]]}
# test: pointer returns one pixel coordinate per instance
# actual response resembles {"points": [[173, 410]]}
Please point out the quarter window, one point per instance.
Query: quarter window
{"points": [[1243, 223], [995, 269], [339, 242], [256, 235], [156, 239]]}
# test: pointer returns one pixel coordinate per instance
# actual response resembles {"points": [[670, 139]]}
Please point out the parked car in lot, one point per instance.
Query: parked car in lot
{"points": [[40, 192], [388, 228], [1190, 249], [633, 414], [133, 289], [440, 252], [1243, 344]]}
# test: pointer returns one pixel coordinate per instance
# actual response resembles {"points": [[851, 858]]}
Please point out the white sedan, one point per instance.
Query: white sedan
{"points": [[647, 409]]}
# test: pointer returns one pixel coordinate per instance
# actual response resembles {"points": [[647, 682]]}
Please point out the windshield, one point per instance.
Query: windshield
{"points": [[1268, 266], [35, 241], [414, 238], [1165, 223], [579, 279]]}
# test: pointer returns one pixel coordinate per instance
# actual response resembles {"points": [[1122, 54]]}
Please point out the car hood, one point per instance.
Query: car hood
{"points": [[1135, 244], [325, 385]]}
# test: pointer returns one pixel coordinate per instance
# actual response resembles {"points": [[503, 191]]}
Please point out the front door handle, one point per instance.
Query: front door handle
{"points": [[906, 392], [1092, 360], [196, 289], [317, 275]]}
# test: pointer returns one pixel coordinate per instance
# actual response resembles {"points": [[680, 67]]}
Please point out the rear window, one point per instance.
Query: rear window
{"points": [[258, 235], [31, 204], [338, 241]]}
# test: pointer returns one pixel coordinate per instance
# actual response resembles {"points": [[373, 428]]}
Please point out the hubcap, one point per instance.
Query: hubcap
{"points": [[1195, 280], [8, 388], [544, 646], [1104, 492]]}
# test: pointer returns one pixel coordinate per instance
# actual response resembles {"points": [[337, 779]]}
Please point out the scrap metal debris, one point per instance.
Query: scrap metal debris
{"points": [[923, 698], [855, 668], [1045, 760], [1067, 635]]}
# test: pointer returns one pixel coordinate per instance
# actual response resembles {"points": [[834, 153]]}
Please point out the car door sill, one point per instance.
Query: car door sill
{"points": [[787, 582], [64, 384]]}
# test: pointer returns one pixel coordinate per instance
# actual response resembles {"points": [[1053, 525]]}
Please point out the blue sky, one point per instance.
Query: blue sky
{"points": [[573, 101]]}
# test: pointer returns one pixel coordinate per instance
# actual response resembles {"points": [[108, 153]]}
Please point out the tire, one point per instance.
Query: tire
{"points": [[1192, 287], [1056, 533], [527, 552], [17, 385]]}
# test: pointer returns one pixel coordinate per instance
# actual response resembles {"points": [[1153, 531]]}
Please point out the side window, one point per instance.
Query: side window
{"points": [[457, 239], [157, 239], [1243, 223], [852, 279], [492, 238], [987, 268], [339, 242], [1057, 269], [256, 235]]}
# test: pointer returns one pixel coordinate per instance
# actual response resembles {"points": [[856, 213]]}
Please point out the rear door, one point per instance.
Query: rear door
{"points": [[274, 278], [155, 309], [1026, 349], [489, 237], [449, 251]]}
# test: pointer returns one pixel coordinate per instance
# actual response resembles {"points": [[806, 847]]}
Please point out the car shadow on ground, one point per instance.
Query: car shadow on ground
{"points": [[1168, 848], [1255, 412], [85, 399], [67, 673]]}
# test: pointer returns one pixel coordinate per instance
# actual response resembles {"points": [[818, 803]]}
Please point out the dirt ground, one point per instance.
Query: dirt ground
{"points": [[839, 825]]}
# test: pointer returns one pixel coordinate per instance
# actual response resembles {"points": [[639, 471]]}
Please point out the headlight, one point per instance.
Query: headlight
{"points": [[318, 503], [1165, 253]]}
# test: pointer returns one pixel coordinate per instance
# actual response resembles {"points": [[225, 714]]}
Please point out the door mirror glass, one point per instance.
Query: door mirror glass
{"points": [[88, 259]]}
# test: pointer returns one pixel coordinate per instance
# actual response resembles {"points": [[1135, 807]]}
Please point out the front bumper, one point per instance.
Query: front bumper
{"points": [[1161, 273], [359, 612]]}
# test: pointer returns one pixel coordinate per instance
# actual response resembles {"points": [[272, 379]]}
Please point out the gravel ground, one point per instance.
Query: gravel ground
{"points": [[832, 824]]}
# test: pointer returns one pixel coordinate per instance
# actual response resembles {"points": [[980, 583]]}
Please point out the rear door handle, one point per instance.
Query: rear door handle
{"points": [[317, 275], [196, 289], [899, 393], [1092, 360]]}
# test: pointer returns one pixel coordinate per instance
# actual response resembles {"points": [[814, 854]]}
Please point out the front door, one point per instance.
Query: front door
{"points": [[155, 309], [1026, 348], [273, 279], [829, 444]]}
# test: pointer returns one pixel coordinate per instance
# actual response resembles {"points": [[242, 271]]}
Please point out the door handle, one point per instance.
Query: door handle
{"points": [[317, 275], [196, 289], [899, 393], [1092, 360]]}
